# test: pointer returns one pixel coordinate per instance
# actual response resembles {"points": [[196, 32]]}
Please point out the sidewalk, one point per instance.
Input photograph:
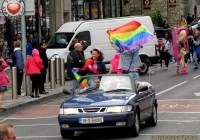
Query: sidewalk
{"points": [[14, 105]]}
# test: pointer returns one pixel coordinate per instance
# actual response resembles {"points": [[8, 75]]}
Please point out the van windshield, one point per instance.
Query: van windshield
{"points": [[60, 40]]}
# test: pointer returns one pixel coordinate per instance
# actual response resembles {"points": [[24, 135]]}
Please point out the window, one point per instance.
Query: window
{"points": [[84, 36]]}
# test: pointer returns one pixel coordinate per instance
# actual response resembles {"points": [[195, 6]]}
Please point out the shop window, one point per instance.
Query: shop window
{"points": [[84, 36]]}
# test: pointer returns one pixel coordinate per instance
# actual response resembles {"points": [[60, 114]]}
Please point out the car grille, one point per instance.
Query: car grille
{"points": [[92, 110]]}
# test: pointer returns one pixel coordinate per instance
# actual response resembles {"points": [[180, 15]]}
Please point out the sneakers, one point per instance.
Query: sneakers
{"points": [[195, 68], [35, 96]]}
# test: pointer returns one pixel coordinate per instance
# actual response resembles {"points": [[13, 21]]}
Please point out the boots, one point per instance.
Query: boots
{"points": [[178, 71], [184, 70], [2, 106]]}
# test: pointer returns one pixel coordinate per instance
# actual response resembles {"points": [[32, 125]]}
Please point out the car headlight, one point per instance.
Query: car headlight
{"points": [[117, 109], [54, 57], [67, 111]]}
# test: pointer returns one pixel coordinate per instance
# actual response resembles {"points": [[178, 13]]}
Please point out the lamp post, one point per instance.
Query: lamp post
{"points": [[168, 11]]}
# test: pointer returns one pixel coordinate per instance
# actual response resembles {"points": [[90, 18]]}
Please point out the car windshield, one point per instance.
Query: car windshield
{"points": [[104, 83], [60, 40]]}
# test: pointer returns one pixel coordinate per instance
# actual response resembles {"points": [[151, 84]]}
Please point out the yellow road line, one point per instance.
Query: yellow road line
{"points": [[2, 120]]}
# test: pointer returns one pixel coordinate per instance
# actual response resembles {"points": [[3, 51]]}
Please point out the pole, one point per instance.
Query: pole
{"points": [[52, 74], [14, 82], [23, 33], [141, 7], [62, 66], [39, 21], [168, 11], [58, 70]]}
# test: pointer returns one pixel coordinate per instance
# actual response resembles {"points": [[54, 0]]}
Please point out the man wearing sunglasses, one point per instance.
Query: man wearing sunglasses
{"points": [[7, 132]]}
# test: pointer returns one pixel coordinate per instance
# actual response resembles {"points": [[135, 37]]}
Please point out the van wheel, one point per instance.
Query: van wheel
{"points": [[144, 68], [66, 76]]}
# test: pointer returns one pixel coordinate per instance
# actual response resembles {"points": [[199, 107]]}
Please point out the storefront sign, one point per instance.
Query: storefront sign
{"points": [[13, 9], [147, 4], [172, 3]]}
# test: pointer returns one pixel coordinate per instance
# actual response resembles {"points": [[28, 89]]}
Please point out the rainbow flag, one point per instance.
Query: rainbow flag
{"points": [[130, 36], [78, 77]]}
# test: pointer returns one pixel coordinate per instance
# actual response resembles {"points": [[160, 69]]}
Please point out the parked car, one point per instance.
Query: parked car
{"points": [[108, 101]]}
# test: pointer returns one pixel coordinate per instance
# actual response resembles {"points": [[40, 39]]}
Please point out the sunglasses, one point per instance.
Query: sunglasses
{"points": [[14, 137]]}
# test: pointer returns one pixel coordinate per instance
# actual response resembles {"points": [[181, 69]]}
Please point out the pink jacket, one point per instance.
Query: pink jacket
{"points": [[4, 79], [33, 65]]}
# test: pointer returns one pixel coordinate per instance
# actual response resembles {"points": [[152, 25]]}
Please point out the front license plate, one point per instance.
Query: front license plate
{"points": [[91, 120]]}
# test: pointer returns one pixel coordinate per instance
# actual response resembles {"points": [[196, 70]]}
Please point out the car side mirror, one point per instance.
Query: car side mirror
{"points": [[142, 88], [66, 91]]}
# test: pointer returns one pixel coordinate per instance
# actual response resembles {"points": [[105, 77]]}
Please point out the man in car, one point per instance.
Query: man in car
{"points": [[75, 59], [7, 132]]}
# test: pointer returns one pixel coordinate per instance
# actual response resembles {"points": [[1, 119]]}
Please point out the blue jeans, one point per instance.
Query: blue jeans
{"points": [[195, 59], [135, 76], [74, 82]]}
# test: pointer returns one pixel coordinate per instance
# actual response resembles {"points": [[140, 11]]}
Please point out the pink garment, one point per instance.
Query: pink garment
{"points": [[93, 67], [4, 79], [33, 64], [115, 62]]}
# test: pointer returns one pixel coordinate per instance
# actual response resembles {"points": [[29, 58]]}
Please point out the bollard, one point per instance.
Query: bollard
{"points": [[14, 82], [58, 70], [62, 77], [47, 75], [28, 88], [52, 74]]}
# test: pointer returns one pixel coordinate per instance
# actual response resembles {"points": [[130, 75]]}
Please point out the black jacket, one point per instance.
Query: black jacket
{"points": [[74, 60], [34, 43], [100, 67], [44, 58]]}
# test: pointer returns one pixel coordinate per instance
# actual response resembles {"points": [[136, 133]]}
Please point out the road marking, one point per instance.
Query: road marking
{"points": [[196, 76], [169, 134], [37, 125], [171, 88], [30, 137], [178, 120], [178, 112], [2, 120], [31, 118], [197, 94], [180, 105]]}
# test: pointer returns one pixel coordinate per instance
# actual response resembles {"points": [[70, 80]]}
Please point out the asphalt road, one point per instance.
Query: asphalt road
{"points": [[178, 111]]}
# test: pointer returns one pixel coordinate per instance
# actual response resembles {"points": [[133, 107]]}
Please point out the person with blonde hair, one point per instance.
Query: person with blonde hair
{"points": [[183, 22], [7, 132]]}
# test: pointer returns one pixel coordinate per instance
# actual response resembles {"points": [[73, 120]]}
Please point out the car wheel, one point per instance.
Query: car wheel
{"points": [[144, 68], [153, 120], [135, 129], [67, 133]]}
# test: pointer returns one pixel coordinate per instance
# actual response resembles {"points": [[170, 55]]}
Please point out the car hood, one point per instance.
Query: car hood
{"points": [[50, 52], [98, 99]]}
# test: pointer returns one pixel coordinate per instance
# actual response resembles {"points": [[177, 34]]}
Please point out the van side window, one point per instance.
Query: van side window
{"points": [[84, 36]]}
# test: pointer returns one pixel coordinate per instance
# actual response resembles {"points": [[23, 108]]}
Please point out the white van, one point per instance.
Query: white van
{"points": [[94, 32]]}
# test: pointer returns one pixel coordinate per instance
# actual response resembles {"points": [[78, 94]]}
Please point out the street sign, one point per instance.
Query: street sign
{"points": [[29, 6]]}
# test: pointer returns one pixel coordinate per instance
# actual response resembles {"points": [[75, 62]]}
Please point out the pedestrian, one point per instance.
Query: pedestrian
{"points": [[196, 46], [82, 42], [7, 132], [183, 51], [28, 48], [4, 80], [165, 25], [43, 56], [166, 49], [18, 37], [75, 59], [74, 41], [18, 62], [183, 22], [33, 68], [32, 41], [2, 49], [7, 50]]}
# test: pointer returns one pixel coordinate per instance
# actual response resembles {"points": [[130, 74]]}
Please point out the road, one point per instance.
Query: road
{"points": [[178, 111]]}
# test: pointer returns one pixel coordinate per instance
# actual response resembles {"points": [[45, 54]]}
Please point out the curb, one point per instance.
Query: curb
{"points": [[31, 102]]}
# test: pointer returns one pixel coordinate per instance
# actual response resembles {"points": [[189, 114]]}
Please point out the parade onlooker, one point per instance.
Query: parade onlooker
{"points": [[18, 62], [4, 80], [165, 25], [183, 22], [18, 37], [189, 18], [82, 42], [74, 41], [166, 49], [33, 68], [195, 45], [43, 56], [28, 48], [8, 49], [32, 41], [190, 42], [75, 59], [2, 49], [7, 132]]}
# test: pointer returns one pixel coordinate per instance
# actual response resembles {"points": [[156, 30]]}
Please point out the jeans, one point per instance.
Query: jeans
{"points": [[74, 82], [135, 76], [195, 59]]}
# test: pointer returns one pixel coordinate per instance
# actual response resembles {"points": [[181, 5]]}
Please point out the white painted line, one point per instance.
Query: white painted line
{"points": [[169, 134], [31, 137], [179, 99], [178, 112], [171, 88], [32, 118], [197, 94], [56, 124], [196, 76], [178, 120]]}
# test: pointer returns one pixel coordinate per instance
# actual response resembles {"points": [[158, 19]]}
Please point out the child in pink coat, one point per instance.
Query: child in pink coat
{"points": [[4, 80], [33, 66]]}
